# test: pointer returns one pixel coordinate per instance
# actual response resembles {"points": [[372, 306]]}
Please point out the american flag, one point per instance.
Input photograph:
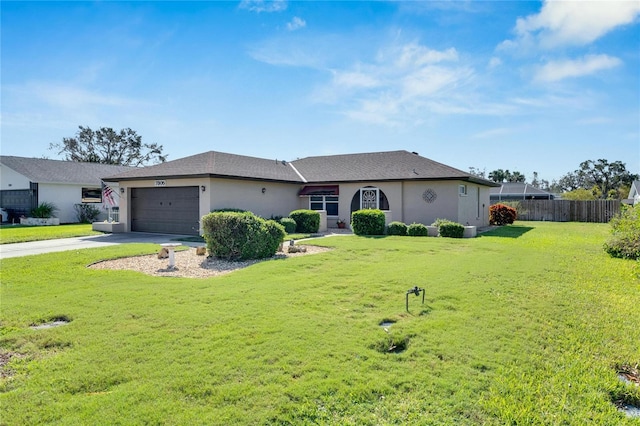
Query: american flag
{"points": [[108, 195]]}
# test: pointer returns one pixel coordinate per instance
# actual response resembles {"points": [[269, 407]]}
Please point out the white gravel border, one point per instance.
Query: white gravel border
{"points": [[190, 265]]}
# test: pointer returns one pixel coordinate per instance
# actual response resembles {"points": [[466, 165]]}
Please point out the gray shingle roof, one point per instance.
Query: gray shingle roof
{"points": [[39, 170], [374, 166], [217, 164]]}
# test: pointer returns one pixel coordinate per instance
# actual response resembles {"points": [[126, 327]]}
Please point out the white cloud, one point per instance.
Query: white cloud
{"points": [[563, 23], [494, 62], [355, 79], [559, 70], [296, 23], [67, 96], [402, 85], [412, 55], [263, 5]]}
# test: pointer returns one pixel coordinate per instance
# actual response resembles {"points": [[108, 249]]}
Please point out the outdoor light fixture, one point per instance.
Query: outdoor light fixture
{"points": [[264, 190], [122, 190], [203, 188]]}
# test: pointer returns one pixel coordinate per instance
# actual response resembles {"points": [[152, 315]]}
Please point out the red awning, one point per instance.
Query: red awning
{"points": [[319, 190]]}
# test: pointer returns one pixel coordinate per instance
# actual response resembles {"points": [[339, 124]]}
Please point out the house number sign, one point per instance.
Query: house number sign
{"points": [[161, 183]]}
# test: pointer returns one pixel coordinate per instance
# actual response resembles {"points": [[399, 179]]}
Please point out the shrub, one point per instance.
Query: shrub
{"points": [[44, 210], [441, 221], [228, 210], [451, 230], [241, 236], [307, 221], [417, 230], [517, 205], [86, 213], [397, 228], [625, 234], [368, 222], [288, 224], [501, 214]]}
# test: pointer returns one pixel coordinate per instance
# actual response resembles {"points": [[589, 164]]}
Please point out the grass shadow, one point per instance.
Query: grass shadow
{"points": [[509, 231]]}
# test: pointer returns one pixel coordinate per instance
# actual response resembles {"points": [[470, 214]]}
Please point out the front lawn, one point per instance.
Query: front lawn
{"points": [[20, 233], [524, 325]]}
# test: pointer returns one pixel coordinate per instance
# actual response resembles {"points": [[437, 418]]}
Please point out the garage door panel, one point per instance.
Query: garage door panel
{"points": [[173, 210]]}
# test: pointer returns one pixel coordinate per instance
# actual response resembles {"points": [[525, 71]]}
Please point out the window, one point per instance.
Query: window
{"points": [[369, 198], [91, 195], [462, 189], [324, 202]]}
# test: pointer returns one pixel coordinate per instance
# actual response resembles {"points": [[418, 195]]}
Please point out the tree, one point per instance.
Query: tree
{"points": [[603, 178], [500, 176], [475, 171], [579, 194], [516, 177], [107, 146], [535, 182]]}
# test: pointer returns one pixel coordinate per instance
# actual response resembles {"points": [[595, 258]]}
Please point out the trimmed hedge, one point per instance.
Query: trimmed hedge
{"points": [[501, 214], [289, 225], [307, 221], [451, 230], [439, 222], [397, 228], [368, 222], [417, 230], [241, 236]]}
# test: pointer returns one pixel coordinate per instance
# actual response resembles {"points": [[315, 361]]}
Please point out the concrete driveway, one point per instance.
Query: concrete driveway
{"points": [[64, 244]]}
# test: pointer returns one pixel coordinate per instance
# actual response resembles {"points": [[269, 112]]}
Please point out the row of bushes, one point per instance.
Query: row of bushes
{"points": [[237, 235], [372, 222], [446, 228]]}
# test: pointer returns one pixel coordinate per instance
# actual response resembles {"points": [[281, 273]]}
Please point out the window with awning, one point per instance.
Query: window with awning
{"points": [[310, 190]]}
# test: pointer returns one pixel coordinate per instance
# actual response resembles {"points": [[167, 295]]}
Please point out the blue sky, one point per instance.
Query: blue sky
{"points": [[526, 86]]}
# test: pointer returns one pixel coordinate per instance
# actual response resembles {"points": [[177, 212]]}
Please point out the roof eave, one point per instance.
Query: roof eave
{"points": [[197, 176]]}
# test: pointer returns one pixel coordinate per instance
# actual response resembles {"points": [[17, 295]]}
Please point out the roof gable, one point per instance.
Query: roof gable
{"points": [[41, 170]]}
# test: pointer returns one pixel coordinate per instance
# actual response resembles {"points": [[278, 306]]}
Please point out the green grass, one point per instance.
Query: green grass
{"points": [[20, 233], [523, 325]]}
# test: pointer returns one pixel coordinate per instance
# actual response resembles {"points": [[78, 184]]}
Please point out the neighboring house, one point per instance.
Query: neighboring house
{"points": [[634, 192], [27, 182], [516, 191], [172, 197]]}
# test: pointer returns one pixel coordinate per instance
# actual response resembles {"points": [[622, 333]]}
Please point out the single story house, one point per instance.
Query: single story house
{"points": [[172, 197], [25, 183], [634, 192], [517, 191]]}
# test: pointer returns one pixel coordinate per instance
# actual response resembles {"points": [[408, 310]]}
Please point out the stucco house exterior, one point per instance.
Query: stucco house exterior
{"points": [[634, 192], [171, 197], [27, 182]]}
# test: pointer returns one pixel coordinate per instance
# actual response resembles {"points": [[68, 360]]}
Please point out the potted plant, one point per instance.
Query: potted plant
{"points": [[42, 215], [341, 223]]}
